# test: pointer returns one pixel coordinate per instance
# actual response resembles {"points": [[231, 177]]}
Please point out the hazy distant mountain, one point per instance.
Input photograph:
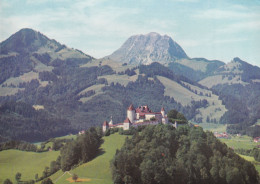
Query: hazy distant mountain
{"points": [[145, 49], [235, 72]]}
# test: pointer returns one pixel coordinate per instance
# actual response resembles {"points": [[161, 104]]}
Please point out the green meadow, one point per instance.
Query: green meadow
{"points": [[242, 142], [96, 171], [213, 127], [27, 163]]}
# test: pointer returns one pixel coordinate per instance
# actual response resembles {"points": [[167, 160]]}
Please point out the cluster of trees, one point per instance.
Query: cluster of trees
{"points": [[20, 145], [129, 72], [173, 115], [18, 178], [48, 171], [82, 150], [163, 154], [187, 86]]}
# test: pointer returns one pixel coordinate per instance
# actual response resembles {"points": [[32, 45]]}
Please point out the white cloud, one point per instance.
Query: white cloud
{"points": [[223, 14]]}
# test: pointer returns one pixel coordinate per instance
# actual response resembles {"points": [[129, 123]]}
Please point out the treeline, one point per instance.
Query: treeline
{"points": [[20, 145], [82, 150], [162, 154]]}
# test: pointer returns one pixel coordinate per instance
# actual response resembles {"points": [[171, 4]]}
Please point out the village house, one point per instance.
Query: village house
{"points": [[138, 117], [221, 135], [257, 139]]}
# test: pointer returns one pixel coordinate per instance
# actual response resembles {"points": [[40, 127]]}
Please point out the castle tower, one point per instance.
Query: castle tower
{"points": [[163, 112], [105, 126], [131, 113], [111, 121]]}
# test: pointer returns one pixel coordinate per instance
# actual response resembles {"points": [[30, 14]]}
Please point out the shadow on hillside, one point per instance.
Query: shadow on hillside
{"points": [[101, 151]]}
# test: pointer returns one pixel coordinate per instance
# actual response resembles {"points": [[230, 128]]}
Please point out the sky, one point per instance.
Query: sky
{"points": [[221, 29]]}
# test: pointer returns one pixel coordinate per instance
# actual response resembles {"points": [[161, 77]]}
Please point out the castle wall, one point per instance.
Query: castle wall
{"points": [[149, 116], [126, 126]]}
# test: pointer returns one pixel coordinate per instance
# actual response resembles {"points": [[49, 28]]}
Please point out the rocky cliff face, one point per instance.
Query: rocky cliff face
{"points": [[145, 49]]}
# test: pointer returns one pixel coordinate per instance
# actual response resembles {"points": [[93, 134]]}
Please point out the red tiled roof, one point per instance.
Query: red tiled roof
{"points": [[116, 125], [105, 123], [131, 107], [127, 120]]}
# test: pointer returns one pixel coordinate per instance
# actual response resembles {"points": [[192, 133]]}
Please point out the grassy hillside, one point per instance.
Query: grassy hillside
{"points": [[27, 163], [243, 142], [218, 79], [213, 127], [96, 171], [214, 110]]}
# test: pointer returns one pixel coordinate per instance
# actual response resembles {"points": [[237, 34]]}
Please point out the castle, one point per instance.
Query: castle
{"points": [[138, 117]]}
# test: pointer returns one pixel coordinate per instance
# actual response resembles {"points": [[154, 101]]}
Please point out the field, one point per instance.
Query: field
{"points": [[213, 127], [243, 142], [96, 171], [27, 163]]}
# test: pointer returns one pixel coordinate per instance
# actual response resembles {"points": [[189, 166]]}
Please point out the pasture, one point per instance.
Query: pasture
{"points": [[27, 163]]}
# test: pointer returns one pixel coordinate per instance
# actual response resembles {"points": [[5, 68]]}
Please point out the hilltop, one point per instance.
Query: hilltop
{"points": [[149, 48]]}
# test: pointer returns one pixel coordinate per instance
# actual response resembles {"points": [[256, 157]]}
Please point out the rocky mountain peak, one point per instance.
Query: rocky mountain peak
{"points": [[148, 48]]}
